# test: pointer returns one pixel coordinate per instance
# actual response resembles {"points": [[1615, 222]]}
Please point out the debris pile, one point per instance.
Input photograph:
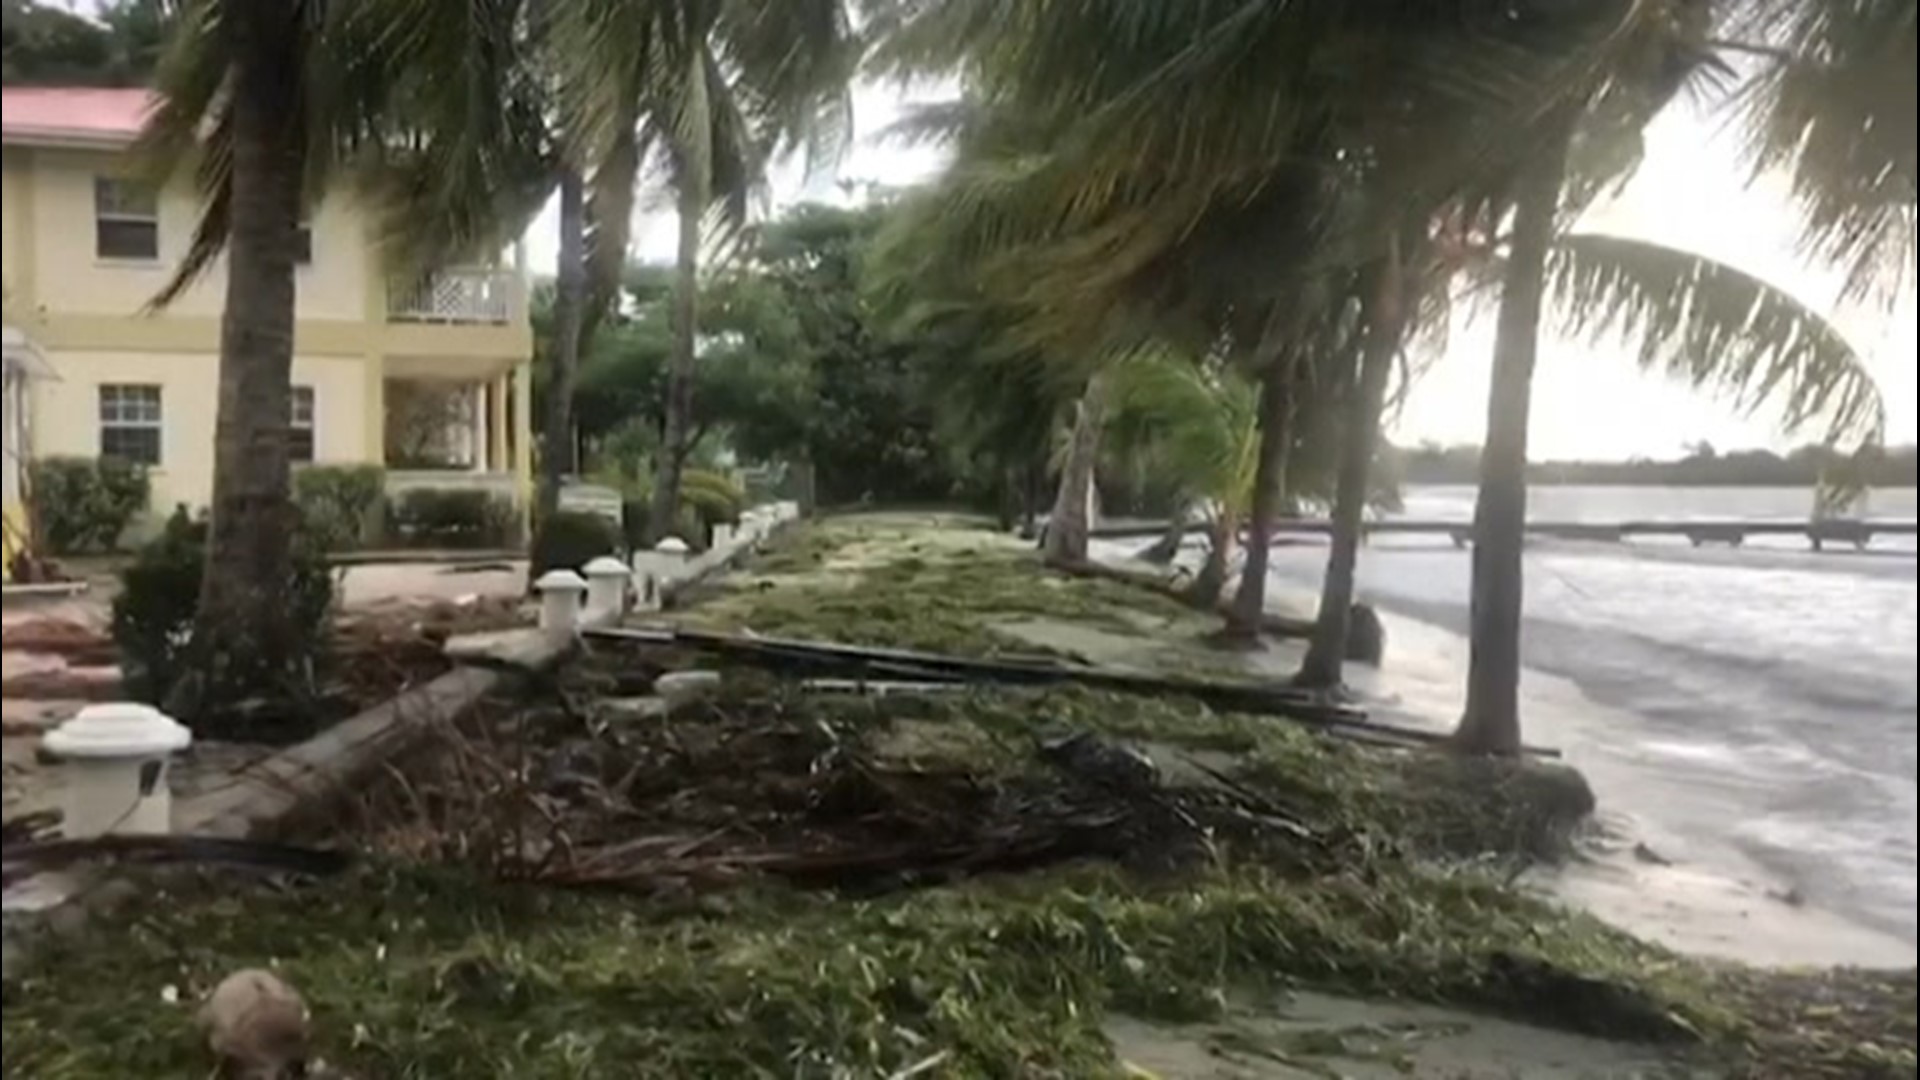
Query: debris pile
{"points": [[814, 791]]}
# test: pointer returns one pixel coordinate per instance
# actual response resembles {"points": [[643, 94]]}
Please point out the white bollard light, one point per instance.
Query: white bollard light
{"points": [[560, 595], [672, 558], [606, 590], [114, 769]]}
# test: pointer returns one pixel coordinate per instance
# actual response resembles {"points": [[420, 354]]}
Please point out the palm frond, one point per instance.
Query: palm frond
{"points": [[188, 125], [1834, 109], [454, 164], [1196, 424], [1718, 328]]}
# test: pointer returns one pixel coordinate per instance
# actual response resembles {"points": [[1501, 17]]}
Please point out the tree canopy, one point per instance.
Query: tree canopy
{"points": [[47, 44]]}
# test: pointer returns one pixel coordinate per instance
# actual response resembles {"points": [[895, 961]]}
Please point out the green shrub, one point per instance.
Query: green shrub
{"points": [[707, 499], [153, 617], [85, 504], [714, 496], [338, 502], [571, 539], [452, 518]]}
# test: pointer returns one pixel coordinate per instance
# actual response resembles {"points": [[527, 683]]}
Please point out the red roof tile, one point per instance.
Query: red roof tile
{"points": [[74, 112]]}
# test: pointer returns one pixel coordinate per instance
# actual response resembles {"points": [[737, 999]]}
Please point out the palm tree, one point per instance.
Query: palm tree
{"points": [[1202, 423], [270, 103], [712, 90], [1820, 112], [1067, 525], [1492, 720], [1387, 302], [1199, 424], [1188, 163]]}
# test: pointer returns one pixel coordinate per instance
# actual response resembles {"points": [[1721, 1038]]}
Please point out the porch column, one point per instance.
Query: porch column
{"points": [[497, 392], [480, 436], [375, 436], [523, 438], [373, 312]]}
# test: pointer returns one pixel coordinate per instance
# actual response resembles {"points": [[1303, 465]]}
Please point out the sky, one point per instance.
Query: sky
{"points": [[1589, 403]]}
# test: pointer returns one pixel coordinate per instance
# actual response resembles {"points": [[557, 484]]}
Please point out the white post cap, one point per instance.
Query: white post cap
{"points": [[118, 729], [672, 545], [605, 566], [561, 581]]}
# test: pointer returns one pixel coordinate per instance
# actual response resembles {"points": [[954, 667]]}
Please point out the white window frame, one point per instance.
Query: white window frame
{"points": [[104, 215], [302, 406], [123, 407]]}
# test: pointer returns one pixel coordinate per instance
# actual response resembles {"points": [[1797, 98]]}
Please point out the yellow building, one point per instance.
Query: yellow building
{"points": [[431, 381]]}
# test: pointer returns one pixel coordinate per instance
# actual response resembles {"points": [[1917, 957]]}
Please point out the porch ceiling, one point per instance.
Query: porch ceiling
{"points": [[449, 368]]}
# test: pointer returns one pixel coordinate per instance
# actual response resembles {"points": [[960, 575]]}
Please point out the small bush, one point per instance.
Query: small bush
{"points": [[571, 539], [153, 617], [338, 502], [713, 496], [85, 504], [452, 518]]}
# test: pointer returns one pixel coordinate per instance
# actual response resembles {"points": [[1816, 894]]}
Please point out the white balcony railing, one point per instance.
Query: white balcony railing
{"points": [[503, 484], [458, 296]]}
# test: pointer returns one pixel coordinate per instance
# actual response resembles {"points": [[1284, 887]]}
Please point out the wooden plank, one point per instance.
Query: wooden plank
{"points": [[1298, 706], [1573, 530]]}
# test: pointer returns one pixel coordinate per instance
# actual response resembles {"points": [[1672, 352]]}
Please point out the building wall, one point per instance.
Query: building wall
{"points": [[66, 412], [73, 280], [66, 298], [13, 234], [86, 315]]}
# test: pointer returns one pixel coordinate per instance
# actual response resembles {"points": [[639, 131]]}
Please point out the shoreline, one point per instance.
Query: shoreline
{"points": [[1697, 894]]}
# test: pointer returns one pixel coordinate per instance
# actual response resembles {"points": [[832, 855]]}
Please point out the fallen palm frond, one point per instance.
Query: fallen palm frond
{"points": [[22, 860], [1299, 706]]}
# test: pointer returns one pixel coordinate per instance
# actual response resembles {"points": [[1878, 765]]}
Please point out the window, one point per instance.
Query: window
{"points": [[300, 437], [130, 423], [126, 220]]}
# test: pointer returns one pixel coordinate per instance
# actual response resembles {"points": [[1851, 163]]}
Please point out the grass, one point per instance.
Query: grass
{"points": [[904, 592], [428, 974], [440, 971]]}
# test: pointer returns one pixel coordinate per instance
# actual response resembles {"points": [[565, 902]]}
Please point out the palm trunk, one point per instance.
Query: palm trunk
{"points": [[1491, 724], [244, 637], [557, 458], [1207, 585], [1269, 492], [1033, 491], [1066, 543], [1386, 323], [674, 447]]}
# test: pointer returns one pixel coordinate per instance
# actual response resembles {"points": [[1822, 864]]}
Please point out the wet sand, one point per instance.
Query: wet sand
{"points": [[1654, 866], [1316, 1036]]}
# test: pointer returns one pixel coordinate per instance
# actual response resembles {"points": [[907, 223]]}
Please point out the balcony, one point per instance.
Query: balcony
{"points": [[463, 297]]}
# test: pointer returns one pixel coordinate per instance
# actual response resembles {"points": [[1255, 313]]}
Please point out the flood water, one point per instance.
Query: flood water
{"points": [[1761, 699]]}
